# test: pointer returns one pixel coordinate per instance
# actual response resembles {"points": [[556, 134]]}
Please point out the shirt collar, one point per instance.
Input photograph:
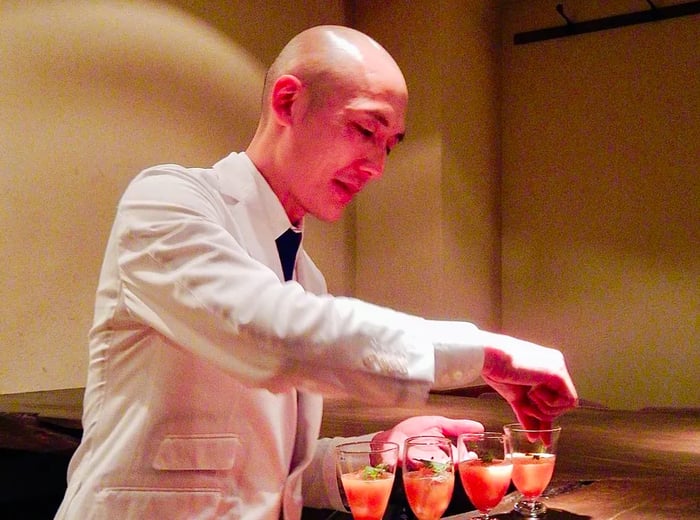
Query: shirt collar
{"points": [[277, 217]]}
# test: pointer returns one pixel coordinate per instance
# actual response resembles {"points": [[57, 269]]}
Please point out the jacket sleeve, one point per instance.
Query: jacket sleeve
{"points": [[189, 276]]}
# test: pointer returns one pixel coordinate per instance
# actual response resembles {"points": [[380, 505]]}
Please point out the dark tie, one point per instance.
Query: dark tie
{"points": [[287, 246]]}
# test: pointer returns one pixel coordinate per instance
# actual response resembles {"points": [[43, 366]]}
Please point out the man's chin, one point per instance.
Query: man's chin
{"points": [[329, 214], [330, 218]]}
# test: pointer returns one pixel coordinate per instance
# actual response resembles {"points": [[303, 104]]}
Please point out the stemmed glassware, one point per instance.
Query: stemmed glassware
{"points": [[428, 475], [366, 470], [485, 469], [534, 455]]}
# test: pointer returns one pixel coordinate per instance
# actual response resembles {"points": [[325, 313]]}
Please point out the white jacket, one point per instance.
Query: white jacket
{"points": [[206, 371]]}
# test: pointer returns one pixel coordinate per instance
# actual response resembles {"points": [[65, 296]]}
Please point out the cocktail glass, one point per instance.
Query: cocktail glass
{"points": [[366, 470], [484, 468], [534, 455], [428, 475]]}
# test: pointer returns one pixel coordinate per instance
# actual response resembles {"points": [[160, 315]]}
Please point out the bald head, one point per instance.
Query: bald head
{"points": [[334, 105], [331, 57]]}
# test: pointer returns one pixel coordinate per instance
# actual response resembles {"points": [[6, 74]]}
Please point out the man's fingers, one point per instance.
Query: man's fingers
{"points": [[453, 427], [550, 402], [533, 413], [527, 421]]}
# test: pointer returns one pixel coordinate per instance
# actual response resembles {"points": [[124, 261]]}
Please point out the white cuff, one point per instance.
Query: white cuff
{"points": [[459, 353]]}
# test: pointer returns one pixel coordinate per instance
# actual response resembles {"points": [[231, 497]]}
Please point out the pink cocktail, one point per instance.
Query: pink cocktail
{"points": [[534, 453], [485, 482], [532, 473], [428, 494], [366, 471], [367, 498], [485, 469], [428, 475]]}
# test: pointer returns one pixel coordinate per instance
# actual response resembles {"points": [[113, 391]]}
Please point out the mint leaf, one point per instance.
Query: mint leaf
{"points": [[374, 472], [434, 466], [487, 457]]}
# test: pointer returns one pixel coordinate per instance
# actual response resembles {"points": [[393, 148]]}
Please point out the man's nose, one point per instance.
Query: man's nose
{"points": [[376, 162]]}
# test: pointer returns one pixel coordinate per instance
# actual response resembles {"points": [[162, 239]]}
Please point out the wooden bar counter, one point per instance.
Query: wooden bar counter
{"points": [[611, 464]]}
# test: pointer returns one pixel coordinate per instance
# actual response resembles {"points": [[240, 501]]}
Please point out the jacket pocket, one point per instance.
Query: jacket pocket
{"points": [[197, 452], [156, 504]]}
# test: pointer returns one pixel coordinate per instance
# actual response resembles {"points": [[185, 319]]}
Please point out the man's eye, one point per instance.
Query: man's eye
{"points": [[366, 132]]}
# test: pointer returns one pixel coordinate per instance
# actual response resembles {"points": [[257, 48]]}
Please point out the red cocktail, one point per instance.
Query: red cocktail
{"points": [[367, 497], [532, 472], [534, 456], [484, 468], [428, 475], [485, 482], [428, 495], [366, 470]]}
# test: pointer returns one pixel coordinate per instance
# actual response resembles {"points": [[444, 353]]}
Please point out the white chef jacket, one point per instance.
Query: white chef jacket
{"points": [[206, 369]]}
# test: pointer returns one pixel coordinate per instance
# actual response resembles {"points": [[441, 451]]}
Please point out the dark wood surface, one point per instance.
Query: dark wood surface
{"points": [[612, 464], [64, 405], [39, 431]]}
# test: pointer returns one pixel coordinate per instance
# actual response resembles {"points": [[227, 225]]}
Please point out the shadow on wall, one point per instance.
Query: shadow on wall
{"points": [[93, 92]]}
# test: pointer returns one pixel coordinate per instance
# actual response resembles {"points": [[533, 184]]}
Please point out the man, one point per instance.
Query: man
{"points": [[207, 368]]}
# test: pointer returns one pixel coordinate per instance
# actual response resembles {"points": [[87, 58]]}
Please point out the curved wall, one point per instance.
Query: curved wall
{"points": [[92, 93]]}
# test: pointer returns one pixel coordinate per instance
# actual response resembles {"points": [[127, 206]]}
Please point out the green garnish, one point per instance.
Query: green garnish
{"points": [[538, 452], [434, 466], [540, 447], [374, 472], [487, 457]]}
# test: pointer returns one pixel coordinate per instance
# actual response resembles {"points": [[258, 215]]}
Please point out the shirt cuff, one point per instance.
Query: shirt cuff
{"points": [[459, 353]]}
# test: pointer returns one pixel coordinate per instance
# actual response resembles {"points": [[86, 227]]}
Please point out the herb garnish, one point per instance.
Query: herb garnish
{"points": [[434, 466], [486, 457], [374, 472], [539, 451]]}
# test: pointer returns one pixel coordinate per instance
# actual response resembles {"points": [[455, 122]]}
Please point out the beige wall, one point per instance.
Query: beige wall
{"points": [[591, 140], [92, 92], [427, 233], [601, 200]]}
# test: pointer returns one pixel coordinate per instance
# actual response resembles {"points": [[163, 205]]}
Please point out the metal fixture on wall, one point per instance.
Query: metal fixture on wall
{"points": [[572, 28]]}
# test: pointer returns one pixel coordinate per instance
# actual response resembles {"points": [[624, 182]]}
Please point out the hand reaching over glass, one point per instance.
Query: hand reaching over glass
{"points": [[533, 379]]}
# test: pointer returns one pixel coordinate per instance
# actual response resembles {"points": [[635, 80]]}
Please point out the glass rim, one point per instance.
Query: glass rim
{"points": [[520, 428], [370, 446], [429, 439], [485, 434]]}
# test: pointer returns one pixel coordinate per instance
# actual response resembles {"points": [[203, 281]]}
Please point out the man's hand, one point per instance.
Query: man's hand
{"points": [[532, 378], [428, 425]]}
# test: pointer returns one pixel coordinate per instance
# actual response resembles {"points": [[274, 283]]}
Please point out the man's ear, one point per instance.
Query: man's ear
{"points": [[285, 93]]}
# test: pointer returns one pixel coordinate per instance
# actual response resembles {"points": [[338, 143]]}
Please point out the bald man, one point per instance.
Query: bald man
{"points": [[210, 352]]}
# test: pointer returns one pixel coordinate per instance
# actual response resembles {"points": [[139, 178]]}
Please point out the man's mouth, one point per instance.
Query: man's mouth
{"points": [[345, 190]]}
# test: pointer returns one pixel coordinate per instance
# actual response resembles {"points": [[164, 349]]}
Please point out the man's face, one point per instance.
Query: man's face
{"points": [[339, 144]]}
